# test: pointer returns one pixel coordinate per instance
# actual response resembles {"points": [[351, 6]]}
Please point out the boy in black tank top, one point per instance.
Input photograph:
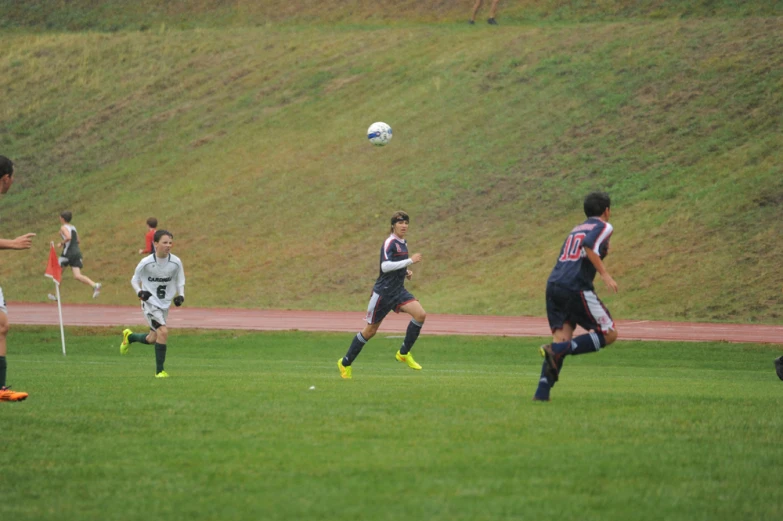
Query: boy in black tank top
{"points": [[72, 254]]}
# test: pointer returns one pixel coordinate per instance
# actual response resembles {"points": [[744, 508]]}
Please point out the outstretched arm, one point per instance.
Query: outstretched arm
{"points": [[23, 242]]}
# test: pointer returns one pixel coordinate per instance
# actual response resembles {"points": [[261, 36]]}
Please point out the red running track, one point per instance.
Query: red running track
{"points": [[351, 322]]}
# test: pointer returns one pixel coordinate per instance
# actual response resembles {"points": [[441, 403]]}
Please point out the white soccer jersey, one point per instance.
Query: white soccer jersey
{"points": [[164, 278]]}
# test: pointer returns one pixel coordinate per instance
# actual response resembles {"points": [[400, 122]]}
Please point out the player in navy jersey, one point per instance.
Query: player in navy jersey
{"points": [[389, 294], [570, 297]]}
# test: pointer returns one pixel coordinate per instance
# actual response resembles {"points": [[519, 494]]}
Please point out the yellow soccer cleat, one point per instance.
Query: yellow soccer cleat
{"points": [[162, 374], [125, 342], [407, 359], [345, 372]]}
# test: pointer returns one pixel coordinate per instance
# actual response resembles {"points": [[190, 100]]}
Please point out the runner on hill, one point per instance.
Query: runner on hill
{"points": [[72, 253], [492, 10]]}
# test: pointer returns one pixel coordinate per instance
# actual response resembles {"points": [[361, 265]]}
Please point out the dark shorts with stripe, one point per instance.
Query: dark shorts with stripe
{"points": [[577, 308], [381, 305]]}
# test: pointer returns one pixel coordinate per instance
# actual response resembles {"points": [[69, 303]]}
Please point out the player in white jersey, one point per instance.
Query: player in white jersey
{"points": [[158, 281]]}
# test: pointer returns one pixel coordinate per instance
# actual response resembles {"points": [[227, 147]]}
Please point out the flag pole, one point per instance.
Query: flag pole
{"points": [[60, 311], [54, 272]]}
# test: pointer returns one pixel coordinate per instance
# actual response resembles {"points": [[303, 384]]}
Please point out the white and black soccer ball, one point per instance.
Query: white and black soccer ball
{"points": [[379, 134]]}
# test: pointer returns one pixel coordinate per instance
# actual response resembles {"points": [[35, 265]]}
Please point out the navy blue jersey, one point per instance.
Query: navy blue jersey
{"points": [[573, 269], [393, 250]]}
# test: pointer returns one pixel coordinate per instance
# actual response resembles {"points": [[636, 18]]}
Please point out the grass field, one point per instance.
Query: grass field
{"points": [[642, 430]]}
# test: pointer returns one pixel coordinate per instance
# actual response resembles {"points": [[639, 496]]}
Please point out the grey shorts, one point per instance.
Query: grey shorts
{"points": [[154, 316]]}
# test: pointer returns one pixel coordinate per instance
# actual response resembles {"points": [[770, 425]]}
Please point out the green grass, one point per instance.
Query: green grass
{"points": [[642, 430]]}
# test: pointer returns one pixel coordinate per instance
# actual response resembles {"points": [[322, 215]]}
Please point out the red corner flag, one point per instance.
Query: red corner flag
{"points": [[53, 269]]}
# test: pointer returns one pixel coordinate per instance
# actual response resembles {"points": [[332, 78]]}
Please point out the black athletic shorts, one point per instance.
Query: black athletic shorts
{"points": [[71, 260], [381, 305], [577, 308]]}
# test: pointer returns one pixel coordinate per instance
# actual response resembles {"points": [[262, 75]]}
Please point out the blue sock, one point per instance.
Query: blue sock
{"points": [[356, 347], [542, 393], [414, 328], [589, 343], [561, 348]]}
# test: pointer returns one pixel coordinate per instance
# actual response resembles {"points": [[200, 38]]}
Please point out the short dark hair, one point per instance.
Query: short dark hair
{"points": [[67, 216], [6, 166], [398, 216], [596, 203], [161, 233], [152, 222]]}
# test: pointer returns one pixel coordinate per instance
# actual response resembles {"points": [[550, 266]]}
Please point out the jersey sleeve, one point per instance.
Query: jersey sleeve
{"points": [[387, 266], [597, 239], [136, 279], [181, 279], [388, 251]]}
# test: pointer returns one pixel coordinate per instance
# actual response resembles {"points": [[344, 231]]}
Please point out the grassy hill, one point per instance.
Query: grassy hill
{"points": [[242, 128], [112, 15]]}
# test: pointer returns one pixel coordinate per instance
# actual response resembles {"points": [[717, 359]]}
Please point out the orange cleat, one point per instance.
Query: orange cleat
{"points": [[7, 395]]}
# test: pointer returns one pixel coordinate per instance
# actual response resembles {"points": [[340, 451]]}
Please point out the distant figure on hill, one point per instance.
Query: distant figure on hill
{"points": [[23, 242], [72, 254], [158, 281], [389, 294], [570, 297], [149, 243], [492, 10]]}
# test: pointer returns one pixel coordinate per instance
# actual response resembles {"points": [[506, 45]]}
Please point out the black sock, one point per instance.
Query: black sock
{"points": [[356, 347], [138, 337], [414, 328], [3, 369], [160, 356]]}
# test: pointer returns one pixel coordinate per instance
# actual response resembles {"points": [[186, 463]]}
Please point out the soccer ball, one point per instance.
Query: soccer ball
{"points": [[379, 134]]}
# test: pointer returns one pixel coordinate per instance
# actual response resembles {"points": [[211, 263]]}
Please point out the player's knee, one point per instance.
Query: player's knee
{"points": [[421, 316], [4, 329], [610, 336], [368, 332]]}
